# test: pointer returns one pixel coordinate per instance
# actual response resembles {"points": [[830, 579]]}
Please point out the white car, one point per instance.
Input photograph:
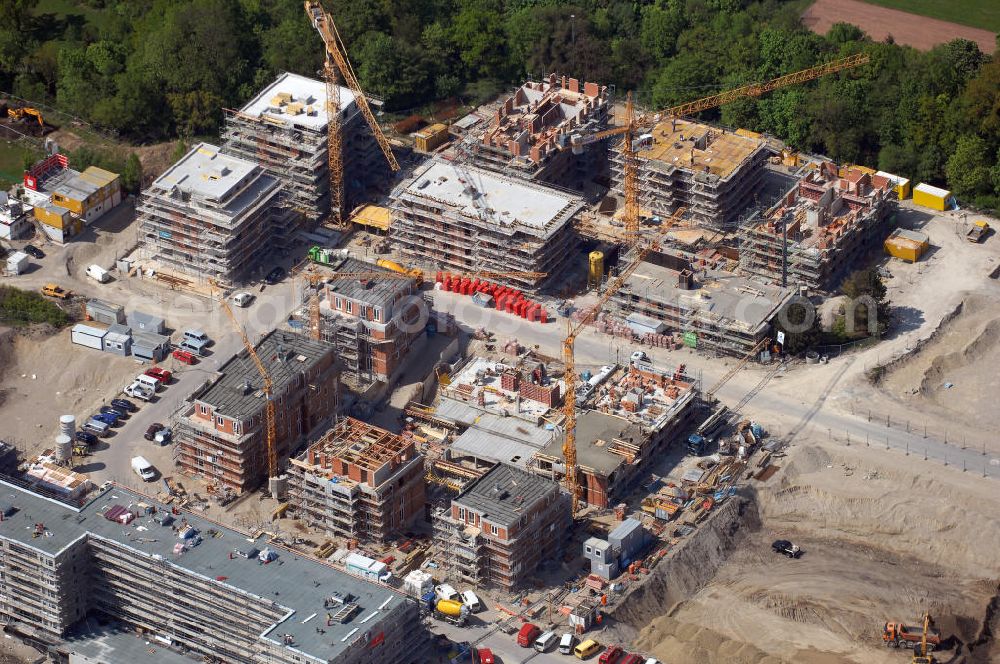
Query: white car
{"points": [[243, 299], [640, 356]]}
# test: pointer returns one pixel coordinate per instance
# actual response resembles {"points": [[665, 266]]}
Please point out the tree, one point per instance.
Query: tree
{"points": [[858, 287], [800, 324], [479, 36], [968, 168], [660, 29], [845, 33], [132, 174]]}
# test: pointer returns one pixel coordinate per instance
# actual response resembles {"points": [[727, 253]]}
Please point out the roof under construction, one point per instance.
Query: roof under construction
{"points": [[295, 101], [376, 292], [504, 494], [238, 392], [698, 147]]}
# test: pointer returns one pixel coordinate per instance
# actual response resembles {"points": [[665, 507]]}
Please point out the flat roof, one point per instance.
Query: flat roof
{"points": [[716, 293], [284, 354], [205, 172], [295, 582], [594, 432], [505, 493], [303, 90], [932, 190], [714, 150], [503, 200]]}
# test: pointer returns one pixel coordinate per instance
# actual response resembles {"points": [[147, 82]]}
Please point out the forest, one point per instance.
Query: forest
{"points": [[154, 70]]}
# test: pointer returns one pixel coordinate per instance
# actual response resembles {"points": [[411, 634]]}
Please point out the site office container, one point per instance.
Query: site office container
{"points": [[931, 197]]}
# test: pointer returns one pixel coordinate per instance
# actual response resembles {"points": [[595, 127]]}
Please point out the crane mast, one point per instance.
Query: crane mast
{"points": [[336, 61]]}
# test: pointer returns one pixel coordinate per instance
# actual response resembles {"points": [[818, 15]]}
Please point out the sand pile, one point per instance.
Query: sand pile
{"points": [[954, 373]]}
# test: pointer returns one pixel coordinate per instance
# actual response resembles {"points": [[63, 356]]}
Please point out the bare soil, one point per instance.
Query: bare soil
{"points": [[880, 22], [883, 540]]}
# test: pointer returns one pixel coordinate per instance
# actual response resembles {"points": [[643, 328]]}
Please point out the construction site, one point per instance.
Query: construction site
{"points": [[285, 130], [712, 173], [524, 135], [210, 216], [466, 220], [638, 461], [222, 435], [821, 228]]}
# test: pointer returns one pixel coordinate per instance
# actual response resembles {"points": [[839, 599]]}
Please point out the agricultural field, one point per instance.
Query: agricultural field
{"points": [[974, 13]]}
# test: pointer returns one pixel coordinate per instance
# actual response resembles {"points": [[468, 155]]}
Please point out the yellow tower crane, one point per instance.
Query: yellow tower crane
{"points": [[269, 415], [336, 61], [569, 358], [633, 123]]}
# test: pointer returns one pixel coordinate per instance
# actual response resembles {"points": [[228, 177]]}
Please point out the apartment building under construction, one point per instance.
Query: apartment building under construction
{"points": [[820, 229], [358, 482], [284, 129], [523, 137], [465, 219], [209, 216], [502, 526], [194, 588], [713, 310], [372, 322], [220, 436], [711, 172]]}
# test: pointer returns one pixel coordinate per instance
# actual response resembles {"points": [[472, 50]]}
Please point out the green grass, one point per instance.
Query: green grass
{"points": [[12, 162], [63, 8], [983, 14]]}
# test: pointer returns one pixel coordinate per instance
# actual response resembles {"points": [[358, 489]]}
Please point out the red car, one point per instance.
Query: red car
{"points": [[159, 374], [611, 655], [632, 659], [184, 357], [486, 656], [526, 637]]}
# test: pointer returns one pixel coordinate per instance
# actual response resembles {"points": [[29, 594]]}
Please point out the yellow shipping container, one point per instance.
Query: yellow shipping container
{"points": [[430, 138], [899, 184], [931, 197], [906, 245]]}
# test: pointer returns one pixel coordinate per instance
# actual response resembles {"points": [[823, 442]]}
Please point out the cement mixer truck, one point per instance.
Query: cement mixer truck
{"points": [[450, 610]]}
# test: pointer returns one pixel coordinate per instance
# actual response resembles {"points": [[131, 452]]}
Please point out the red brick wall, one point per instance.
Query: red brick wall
{"points": [[545, 394]]}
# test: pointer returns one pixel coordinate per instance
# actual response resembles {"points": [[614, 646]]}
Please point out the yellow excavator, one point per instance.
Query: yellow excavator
{"points": [[921, 653], [25, 111]]}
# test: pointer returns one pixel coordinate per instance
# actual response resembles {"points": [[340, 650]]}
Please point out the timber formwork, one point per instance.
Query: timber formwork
{"points": [[465, 237], [358, 482], [294, 148], [219, 231], [712, 173], [820, 230]]}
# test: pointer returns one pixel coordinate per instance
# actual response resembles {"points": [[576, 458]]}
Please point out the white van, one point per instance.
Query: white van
{"points": [[98, 274], [143, 469], [545, 641], [147, 381], [242, 299], [566, 643], [471, 600], [139, 391]]}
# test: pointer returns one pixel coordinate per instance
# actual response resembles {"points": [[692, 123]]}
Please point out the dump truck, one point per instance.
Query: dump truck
{"points": [[977, 232], [56, 291], [898, 635]]}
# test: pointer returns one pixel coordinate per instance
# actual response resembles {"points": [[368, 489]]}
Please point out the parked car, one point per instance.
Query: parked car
{"points": [[274, 276], [110, 418], [639, 356], [787, 548], [163, 436], [143, 469], [159, 374], [86, 437], [56, 291], [611, 655], [120, 412], [586, 649], [184, 357], [528, 634], [447, 591], [632, 659], [486, 656], [152, 430], [124, 403], [34, 251], [566, 643]]}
